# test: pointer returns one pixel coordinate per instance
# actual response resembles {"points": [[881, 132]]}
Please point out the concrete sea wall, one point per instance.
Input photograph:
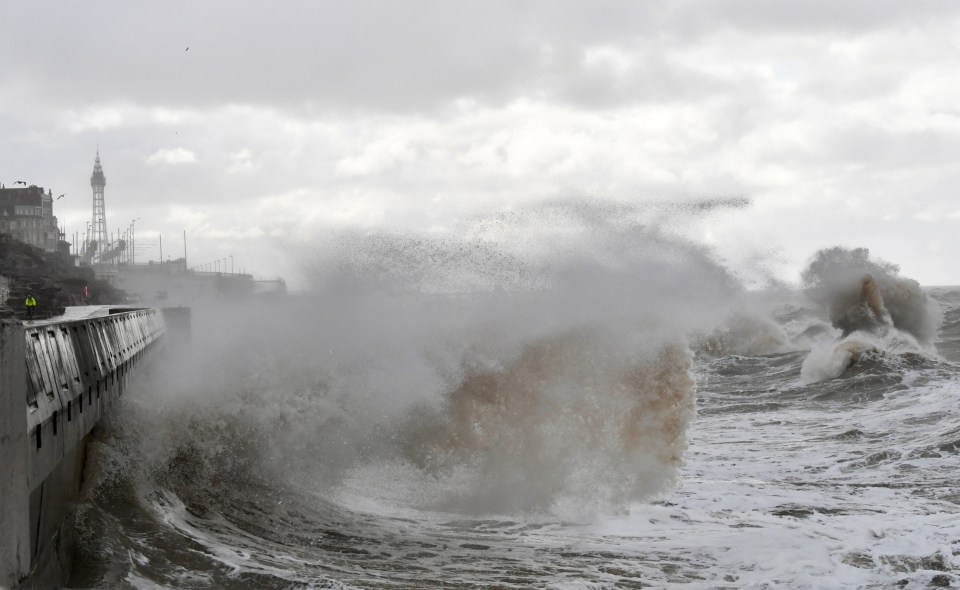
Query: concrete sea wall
{"points": [[57, 379], [14, 493]]}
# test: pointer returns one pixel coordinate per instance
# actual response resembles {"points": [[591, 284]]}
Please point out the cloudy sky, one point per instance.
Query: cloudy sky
{"points": [[286, 121]]}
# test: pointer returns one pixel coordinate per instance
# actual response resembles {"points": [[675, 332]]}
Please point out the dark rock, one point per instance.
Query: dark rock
{"points": [[940, 581]]}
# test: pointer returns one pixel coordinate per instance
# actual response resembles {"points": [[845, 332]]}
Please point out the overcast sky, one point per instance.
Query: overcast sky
{"points": [[286, 120]]}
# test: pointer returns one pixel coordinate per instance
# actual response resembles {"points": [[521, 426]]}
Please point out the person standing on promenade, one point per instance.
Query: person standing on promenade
{"points": [[31, 304]]}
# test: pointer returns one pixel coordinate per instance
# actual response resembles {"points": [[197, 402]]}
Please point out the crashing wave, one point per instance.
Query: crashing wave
{"points": [[744, 334], [876, 310], [866, 295], [571, 418]]}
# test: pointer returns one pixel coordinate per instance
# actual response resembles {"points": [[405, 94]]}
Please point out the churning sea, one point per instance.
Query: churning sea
{"points": [[508, 440]]}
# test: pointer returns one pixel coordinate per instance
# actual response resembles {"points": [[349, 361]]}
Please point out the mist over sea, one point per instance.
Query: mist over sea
{"points": [[573, 396]]}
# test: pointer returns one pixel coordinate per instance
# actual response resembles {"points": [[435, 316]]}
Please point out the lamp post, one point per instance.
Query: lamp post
{"points": [[231, 264], [133, 240]]}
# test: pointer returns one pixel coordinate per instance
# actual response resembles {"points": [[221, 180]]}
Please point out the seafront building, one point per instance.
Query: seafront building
{"points": [[26, 213]]}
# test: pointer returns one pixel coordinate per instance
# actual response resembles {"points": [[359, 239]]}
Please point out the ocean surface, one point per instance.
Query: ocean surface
{"points": [[668, 437]]}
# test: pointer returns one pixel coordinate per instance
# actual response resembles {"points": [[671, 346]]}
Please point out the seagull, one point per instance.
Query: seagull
{"points": [[61, 196], [20, 182], [188, 48]]}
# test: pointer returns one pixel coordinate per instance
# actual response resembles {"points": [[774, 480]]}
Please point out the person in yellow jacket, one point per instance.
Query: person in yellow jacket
{"points": [[31, 304]]}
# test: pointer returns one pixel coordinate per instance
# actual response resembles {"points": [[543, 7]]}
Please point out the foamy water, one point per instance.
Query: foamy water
{"points": [[626, 418]]}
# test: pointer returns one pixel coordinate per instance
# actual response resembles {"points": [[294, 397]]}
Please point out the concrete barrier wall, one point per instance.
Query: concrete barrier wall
{"points": [[70, 366], [75, 370], [14, 493]]}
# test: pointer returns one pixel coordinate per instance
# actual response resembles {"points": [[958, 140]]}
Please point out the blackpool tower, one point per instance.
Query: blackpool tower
{"points": [[99, 226]]}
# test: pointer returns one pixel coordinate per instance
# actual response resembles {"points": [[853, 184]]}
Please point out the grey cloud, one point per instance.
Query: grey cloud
{"points": [[881, 148], [377, 55], [856, 143], [395, 56], [824, 16], [653, 78], [853, 82], [735, 71]]}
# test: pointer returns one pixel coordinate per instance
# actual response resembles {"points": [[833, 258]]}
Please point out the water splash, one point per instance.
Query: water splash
{"points": [[876, 309], [539, 377]]}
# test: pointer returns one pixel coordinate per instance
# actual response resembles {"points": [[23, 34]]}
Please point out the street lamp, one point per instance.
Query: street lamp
{"points": [[133, 240], [231, 264]]}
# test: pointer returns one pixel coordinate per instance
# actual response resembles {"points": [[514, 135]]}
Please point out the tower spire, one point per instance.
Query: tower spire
{"points": [[99, 226]]}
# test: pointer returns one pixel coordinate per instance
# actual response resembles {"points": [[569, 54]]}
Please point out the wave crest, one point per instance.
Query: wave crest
{"points": [[867, 295], [877, 310]]}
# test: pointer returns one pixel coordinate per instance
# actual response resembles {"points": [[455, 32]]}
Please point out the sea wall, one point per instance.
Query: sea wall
{"points": [[58, 379], [14, 493]]}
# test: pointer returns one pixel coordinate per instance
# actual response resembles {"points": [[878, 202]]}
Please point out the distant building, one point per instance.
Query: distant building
{"points": [[27, 215]]}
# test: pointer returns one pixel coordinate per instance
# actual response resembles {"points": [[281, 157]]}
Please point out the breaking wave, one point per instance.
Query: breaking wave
{"points": [[448, 411], [578, 418], [876, 310], [533, 380], [861, 294], [746, 333]]}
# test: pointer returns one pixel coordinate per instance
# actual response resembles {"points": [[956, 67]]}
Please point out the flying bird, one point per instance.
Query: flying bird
{"points": [[20, 182], [61, 196], [188, 48]]}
